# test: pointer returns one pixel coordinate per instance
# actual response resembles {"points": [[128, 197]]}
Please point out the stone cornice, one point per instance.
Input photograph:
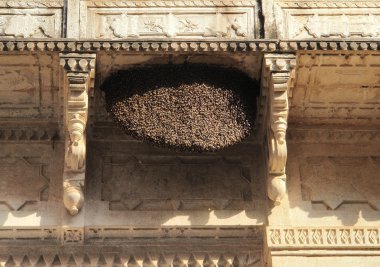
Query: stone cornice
{"points": [[187, 46], [328, 4], [32, 4], [142, 4]]}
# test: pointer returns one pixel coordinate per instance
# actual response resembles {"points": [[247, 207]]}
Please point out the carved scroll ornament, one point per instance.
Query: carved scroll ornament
{"points": [[78, 69]]}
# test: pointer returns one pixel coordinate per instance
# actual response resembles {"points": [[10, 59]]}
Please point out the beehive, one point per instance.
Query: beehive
{"points": [[185, 107]]}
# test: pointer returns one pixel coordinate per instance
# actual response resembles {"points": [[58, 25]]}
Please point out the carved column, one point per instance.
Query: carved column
{"points": [[79, 71], [277, 75]]}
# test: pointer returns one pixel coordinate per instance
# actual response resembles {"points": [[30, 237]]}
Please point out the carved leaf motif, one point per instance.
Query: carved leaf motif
{"points": [[119, 26], [153, 26], [187, 25]]}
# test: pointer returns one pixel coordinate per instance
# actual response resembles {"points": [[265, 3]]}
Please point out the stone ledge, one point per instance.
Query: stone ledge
{"points": [[186, 46], [327, 4]]}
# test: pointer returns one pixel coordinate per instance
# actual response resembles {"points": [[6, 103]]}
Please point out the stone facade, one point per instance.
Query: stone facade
{"points": [[302, 190]]}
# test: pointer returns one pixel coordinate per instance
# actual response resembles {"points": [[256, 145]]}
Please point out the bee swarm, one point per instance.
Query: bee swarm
{"points": [[186, 107]]}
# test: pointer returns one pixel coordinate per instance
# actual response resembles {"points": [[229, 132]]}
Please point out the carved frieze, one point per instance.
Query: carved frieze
{"points": [[334, 180], [332, 19], [334, 25], [169, 20], [323, 237], [40, 19]]}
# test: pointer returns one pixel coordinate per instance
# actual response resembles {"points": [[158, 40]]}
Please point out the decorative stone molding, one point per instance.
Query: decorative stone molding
{"points": [[214, 46], [73, 235], [45, 234], [277, 72], [18, 133], [328, 4], [80, 68], [143, 257], [146, 4], [329, 135], [328, 19], [322, 237], [252, 234], [169, 22], [31, 19], [31, 4]]}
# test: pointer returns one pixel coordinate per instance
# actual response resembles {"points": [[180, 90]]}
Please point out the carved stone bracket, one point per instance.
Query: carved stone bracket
{"points": [[276, 79], [79, 71]]}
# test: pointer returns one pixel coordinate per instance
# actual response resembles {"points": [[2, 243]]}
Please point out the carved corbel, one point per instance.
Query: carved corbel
{"points": [[278, 72], [79, 73]]}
